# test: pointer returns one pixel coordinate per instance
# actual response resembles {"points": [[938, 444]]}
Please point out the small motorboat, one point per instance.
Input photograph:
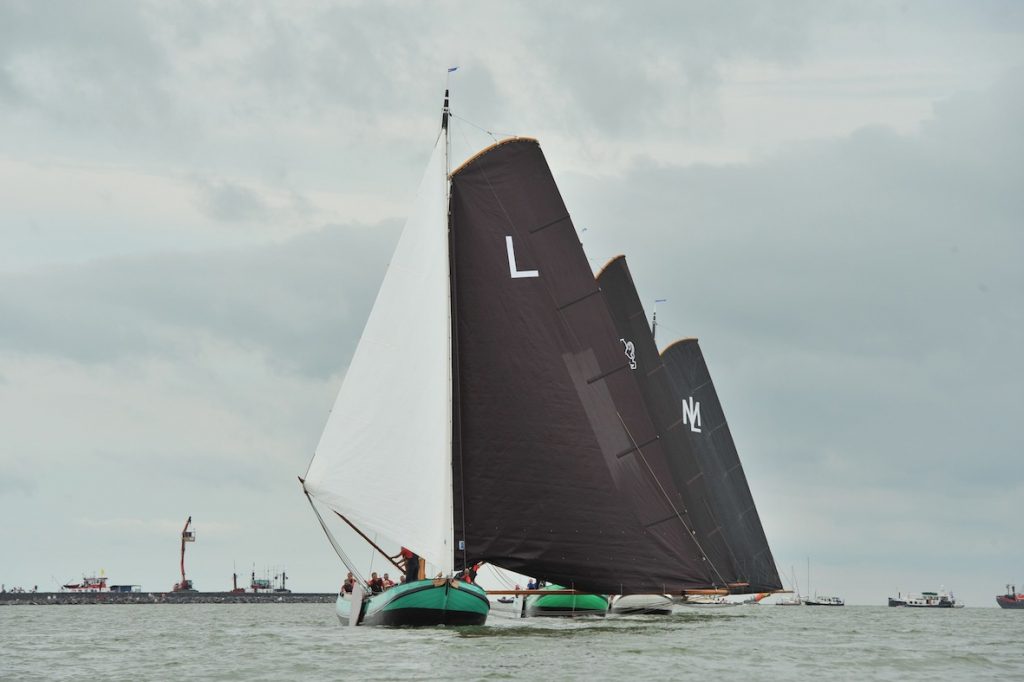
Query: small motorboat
{"points": [[927, 600]]}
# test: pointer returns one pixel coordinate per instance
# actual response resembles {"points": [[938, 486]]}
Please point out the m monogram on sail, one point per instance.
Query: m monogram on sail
{"points": [[691, 414]]}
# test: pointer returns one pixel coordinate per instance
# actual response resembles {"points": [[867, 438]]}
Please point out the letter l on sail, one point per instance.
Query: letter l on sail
{"points": [[512, 268]]}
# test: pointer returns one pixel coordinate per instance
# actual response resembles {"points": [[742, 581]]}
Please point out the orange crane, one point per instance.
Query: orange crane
{"points": [[186, 536]]}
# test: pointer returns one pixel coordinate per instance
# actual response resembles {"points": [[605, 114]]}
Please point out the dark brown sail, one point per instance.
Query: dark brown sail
{"points": [[732, 549], [703, 421], [558, 470]]}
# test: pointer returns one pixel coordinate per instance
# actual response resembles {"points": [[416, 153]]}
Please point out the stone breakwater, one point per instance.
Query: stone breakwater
{"points": [[73, 598]]}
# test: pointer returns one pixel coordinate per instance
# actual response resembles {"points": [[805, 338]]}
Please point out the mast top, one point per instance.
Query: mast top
{"points": [[445, 112]]}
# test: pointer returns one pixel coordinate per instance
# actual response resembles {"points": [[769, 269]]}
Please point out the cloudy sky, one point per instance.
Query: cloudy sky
{"points": [[199, 201]]}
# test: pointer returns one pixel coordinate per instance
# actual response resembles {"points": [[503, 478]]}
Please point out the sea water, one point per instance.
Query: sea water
{"points": [[306, 642]]}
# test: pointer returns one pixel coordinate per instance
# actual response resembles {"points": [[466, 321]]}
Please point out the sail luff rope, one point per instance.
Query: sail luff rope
{"points": [[456, 415], [668, 499]]}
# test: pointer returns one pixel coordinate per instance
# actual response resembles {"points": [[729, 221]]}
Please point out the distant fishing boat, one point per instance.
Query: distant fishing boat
{"points": [[88, 584], [937, 600], [489, 413], [1012, 599]]}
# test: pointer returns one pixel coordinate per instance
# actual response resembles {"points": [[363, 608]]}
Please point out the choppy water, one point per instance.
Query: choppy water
{"points": [[305, 641]]}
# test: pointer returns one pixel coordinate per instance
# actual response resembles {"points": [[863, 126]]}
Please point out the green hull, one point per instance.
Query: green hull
{"points": [[566, 605], [422, 602]]}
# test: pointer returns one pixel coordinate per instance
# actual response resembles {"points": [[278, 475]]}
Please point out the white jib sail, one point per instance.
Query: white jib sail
{"points": [[384, 459]]}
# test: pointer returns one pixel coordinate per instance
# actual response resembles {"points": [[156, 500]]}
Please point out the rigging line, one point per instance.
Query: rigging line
{"points": [[368, 540], [503, 577], [465, 139], [372, 554], [481, 128], [668, 499], [349, 564]]}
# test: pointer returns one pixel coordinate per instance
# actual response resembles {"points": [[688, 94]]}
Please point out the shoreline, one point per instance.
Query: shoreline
{"points": [[74, 599]]}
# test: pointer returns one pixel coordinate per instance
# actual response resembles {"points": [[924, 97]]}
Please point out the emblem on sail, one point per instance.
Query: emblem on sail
{"points": [[630, 352], [512, 267], [691, 414]]}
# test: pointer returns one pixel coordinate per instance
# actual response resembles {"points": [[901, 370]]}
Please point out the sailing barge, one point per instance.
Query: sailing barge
{"points": [[494, 376]]}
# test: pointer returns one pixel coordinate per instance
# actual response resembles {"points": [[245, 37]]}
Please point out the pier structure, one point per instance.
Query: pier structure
{"points": [[76, 598]]}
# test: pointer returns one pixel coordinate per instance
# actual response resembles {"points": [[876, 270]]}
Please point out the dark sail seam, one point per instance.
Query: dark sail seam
{"points": [[606, 374], [547, 225], [693, 535], [578, 300], [635, 448], [674, 424], [724, 536], [652, 524]]}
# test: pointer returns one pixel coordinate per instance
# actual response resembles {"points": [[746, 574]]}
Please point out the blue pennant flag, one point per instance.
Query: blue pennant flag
{"points": [[452, 68]]}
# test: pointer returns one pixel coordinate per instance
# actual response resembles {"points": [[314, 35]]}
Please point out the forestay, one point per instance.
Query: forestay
{"points": [[384, 459]]}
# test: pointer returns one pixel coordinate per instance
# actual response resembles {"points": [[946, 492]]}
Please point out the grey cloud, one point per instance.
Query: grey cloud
{"points": [[230, 202], [83, 64], [11, 484], [301, 303], [858, 299], [116, 68]]}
